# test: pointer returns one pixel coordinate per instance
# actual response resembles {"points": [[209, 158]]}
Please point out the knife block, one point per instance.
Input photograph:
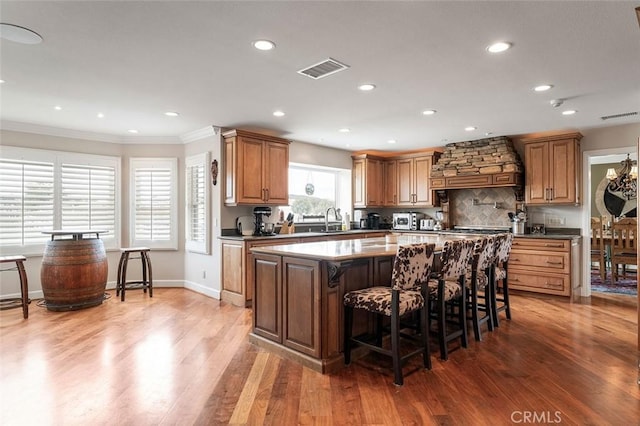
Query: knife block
{"points": [[287, 229]]}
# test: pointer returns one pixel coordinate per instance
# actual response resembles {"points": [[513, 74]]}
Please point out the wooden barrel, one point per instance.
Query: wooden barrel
{"points": [[74, 274]]}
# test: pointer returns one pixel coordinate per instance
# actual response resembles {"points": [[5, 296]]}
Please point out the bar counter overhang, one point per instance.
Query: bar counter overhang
{"points": [[298, 291]]}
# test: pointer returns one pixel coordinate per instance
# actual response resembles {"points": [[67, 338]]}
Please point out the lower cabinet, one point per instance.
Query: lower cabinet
{"points": [[238, 261], [541, 265]]}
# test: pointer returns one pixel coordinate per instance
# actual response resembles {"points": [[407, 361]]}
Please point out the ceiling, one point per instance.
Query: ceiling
{"points": [[133, 61]]}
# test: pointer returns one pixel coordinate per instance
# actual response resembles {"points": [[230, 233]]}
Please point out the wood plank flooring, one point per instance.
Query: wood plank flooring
{"points": [[182, 358]]}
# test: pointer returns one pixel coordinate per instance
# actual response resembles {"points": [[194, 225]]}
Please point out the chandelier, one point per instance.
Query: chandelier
{"points": [[625, 180]]}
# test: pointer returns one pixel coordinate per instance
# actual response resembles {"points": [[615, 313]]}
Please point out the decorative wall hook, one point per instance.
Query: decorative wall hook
{"points": [[214, 172]]}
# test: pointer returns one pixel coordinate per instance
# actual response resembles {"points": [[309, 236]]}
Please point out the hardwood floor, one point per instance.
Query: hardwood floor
{"points": [[182, 358]]}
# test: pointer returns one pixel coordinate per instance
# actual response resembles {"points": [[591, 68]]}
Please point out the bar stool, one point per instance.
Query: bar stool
{"points": [[16, 302], [146, 282]]}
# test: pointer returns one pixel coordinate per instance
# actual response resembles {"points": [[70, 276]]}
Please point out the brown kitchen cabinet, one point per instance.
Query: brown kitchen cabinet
{"points": [[238, 261], [413, 186], [553, 170], [543, 265], [390, 183], [256, 169], [367, 178]]}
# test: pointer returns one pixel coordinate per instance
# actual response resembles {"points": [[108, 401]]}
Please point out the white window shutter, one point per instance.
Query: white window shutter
{"points": [[197, 204], [154, 215]]}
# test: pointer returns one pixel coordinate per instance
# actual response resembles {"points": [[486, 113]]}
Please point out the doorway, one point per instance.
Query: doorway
{"points": [[592, 161]]}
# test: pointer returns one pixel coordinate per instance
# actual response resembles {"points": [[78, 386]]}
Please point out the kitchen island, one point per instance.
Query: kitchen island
{"points": [[298, 291]]}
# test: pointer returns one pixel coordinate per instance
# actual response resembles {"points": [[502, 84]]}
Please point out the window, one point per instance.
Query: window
{"points": [[313, 189], [154, 211], [43, 190], [197, 203]]}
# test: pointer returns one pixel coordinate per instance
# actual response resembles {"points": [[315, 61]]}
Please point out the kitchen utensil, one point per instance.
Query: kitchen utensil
{"points": [[268, 228]]}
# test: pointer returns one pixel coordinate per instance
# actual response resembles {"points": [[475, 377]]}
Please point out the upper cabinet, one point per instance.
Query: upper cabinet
{"points": [[401, 181], [413, 181], [390, 181], [553, 171], [367, 178], [256, 169]]}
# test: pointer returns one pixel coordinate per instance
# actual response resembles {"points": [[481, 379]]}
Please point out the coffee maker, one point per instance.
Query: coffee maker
{"points": [[260, 213], [373, 221]]}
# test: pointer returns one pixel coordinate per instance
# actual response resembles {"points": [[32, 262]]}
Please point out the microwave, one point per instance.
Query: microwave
{"points": [[407, 221]]}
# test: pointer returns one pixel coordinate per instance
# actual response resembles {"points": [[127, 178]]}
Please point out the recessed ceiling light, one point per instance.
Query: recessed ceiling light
{"points": [[278, 113], [100, 115], [428, 112], [57, 108], [488, 133], [569, 112], [391, 141], [132, 131], [543, 87], [19, 34], [344, 130], [264, 44], [470, 128], [1, 81], [498, 47], [366, 87], [171, 114]]}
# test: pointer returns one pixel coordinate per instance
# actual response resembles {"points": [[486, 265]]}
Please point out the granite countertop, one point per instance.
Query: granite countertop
{"points": [[299, 235], [355, 248]]}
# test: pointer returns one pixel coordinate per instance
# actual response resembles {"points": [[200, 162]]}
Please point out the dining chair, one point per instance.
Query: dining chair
{"points": [[624, 246], [500, 278], [598, 248], [478, 288], [448, 286], [407, 294]]}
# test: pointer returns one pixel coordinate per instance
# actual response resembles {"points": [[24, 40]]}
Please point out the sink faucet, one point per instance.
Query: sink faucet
{"points": [[336, 215]]}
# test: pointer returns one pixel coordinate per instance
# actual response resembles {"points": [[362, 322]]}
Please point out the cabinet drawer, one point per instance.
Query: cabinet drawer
{"points": [[540, 244], [540, 282], [551, 262]]}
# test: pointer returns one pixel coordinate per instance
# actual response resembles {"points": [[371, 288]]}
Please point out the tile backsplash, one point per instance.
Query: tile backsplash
{"points": [[464, 213]]}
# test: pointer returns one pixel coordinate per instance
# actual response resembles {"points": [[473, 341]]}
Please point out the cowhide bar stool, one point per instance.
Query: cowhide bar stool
{"points": [[23, 300], [147, 280]]}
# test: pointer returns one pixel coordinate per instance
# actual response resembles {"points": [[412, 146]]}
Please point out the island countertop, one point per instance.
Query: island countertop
{"points": [[356, 248]]}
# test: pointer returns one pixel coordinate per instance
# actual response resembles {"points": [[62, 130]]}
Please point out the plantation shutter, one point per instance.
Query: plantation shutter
{"points": [[26, 202], [88, 197], [197, 203], [154, 212]]}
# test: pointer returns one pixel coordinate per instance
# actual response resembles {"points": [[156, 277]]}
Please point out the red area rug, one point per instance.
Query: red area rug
{"points": [[622, 286]]}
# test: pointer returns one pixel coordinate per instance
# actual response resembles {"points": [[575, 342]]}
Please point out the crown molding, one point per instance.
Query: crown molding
{"points": [[38, 129], [200, 134]]}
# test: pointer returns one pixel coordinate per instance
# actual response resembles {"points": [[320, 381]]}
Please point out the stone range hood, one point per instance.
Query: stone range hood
{"points": [[483, 163]]}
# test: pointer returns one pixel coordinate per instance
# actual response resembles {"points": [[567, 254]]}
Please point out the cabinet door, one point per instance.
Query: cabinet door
{"points": [[267, 305], [422, 189], [562, 172], [358, 178], [233, 290], [276, 173], [390, 185], [250, 170], [373, 182], [405, 182], [537, 173], [301, 303]]}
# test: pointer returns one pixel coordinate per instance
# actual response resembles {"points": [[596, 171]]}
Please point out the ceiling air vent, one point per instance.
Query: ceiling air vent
{"points": [[626, 114], [322, 69]]}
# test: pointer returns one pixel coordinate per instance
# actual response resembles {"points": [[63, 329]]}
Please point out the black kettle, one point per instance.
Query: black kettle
{"points": [[373, 221]]}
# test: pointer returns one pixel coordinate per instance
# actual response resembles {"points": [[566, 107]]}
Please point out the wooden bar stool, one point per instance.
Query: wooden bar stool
{"points": [[16, 302], [147, 280]]}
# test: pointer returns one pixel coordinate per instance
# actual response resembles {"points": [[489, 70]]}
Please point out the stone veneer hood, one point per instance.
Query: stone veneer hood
{"points": [[480, 157]]}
